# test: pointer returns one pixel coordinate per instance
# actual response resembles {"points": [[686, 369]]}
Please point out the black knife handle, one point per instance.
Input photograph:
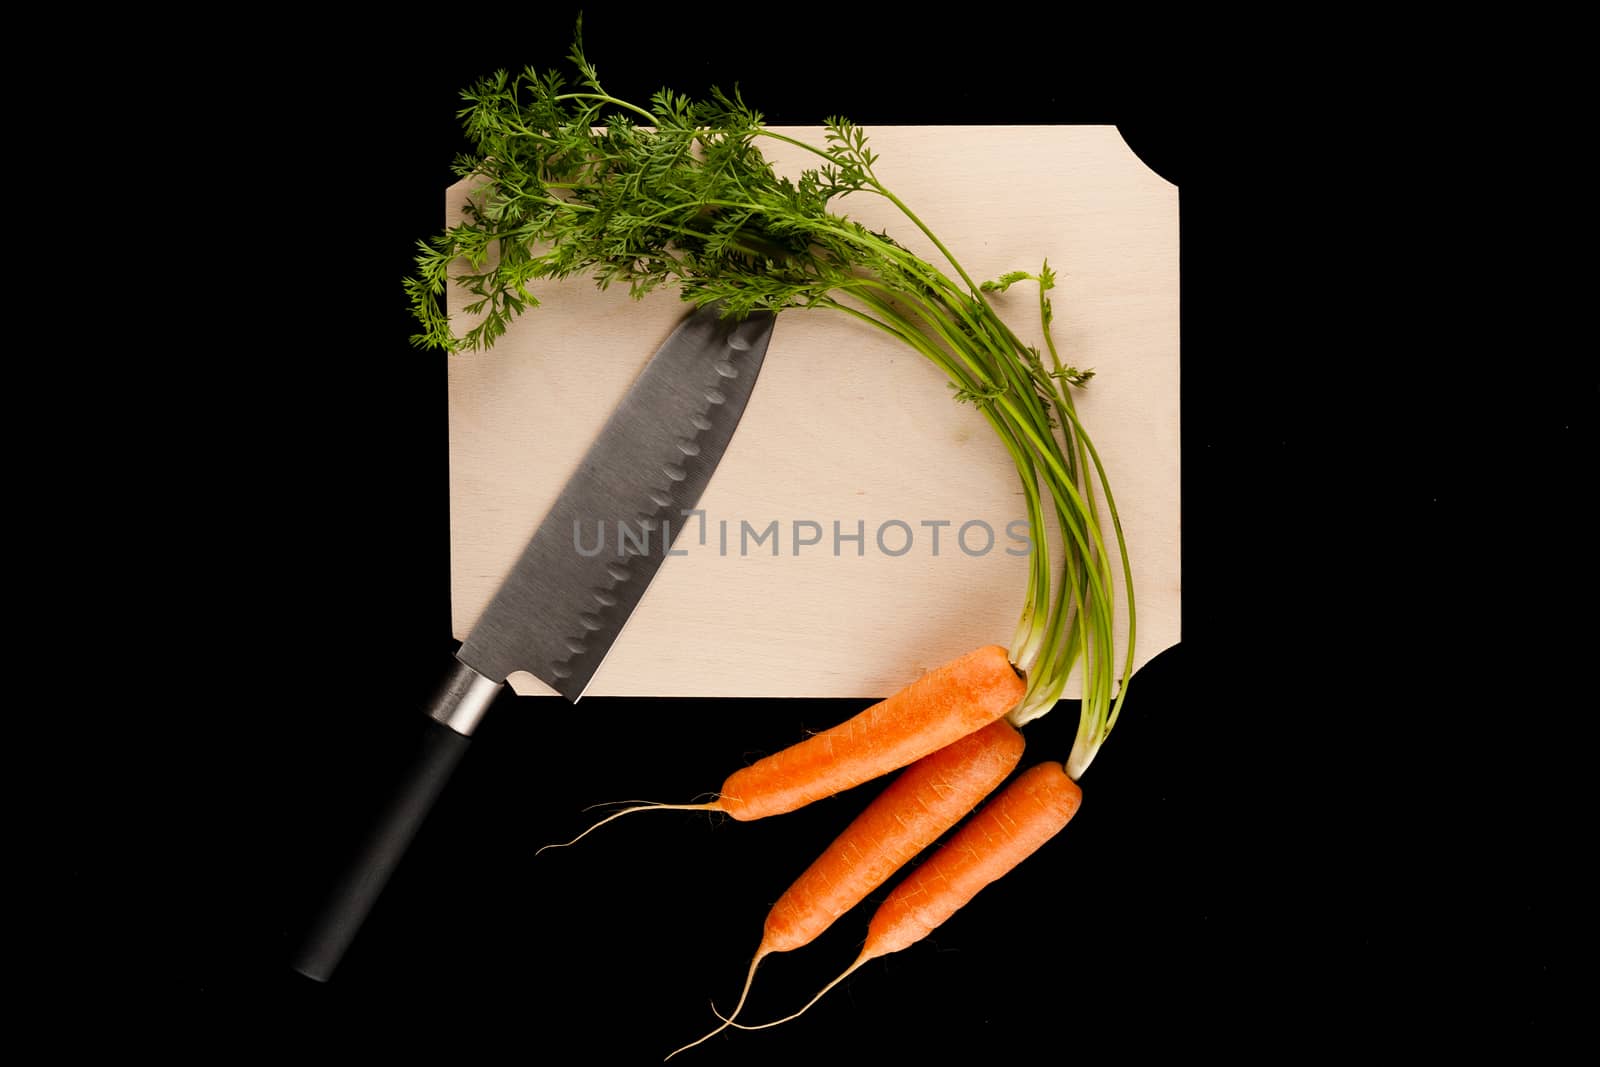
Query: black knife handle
{"points": [[462, 701]]}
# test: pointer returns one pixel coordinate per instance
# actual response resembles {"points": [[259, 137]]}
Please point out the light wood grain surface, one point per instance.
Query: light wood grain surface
{"points": [[849, 427]]}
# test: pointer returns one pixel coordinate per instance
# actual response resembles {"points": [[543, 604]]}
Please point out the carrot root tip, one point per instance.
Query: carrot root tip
{"points": [[790, 1018], [727, 1020], [647, 806]]}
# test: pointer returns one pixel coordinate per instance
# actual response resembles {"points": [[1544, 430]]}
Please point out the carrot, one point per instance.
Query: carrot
{"points": [[928, 798], [1009, 829], [943, 705], [947, 703]]}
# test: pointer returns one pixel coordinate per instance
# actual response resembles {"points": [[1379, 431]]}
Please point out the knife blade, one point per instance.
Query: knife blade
{"points": [[580, 577], [565, 602]]}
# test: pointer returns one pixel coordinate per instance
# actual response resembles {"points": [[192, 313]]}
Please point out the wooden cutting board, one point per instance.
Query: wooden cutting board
{"points": [[851, 428]]}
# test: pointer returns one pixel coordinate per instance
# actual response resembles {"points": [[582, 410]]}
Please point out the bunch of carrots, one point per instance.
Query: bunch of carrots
{"points": [[677, 193], [949, 732]]}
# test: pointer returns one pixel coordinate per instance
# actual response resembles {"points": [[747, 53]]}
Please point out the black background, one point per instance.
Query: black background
{"points": [[1241, 870]]}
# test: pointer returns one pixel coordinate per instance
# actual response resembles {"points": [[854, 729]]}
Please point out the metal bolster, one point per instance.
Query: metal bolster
{"points": [[462, 700]]}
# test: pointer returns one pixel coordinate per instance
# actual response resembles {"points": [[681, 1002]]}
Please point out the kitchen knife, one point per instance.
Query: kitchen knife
{"points": [[562, 606]]}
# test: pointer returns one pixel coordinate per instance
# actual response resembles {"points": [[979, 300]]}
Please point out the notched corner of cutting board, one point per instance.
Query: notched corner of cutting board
{"points": [[1157, 147]]}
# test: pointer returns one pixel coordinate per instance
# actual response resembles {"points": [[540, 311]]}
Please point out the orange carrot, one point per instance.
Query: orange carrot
{"points": [[946, 704], [1009, 829], [928, 798], [943, 705]]}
